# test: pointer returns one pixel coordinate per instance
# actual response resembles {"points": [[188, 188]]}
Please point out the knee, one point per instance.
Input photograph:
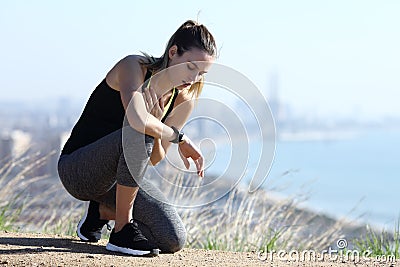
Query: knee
{"points": [[175, 242]]}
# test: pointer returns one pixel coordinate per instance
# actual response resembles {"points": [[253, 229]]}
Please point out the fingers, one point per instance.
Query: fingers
{"points": [[201, 163], [145, 101], [196, 162], [161, 104], [188, 150], [154, 106], [149, 99], [184, 159], [200, 166], [152, 95]]}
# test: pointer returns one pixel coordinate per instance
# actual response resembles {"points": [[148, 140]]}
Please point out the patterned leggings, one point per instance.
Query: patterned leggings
{"points": [[92, 172]]}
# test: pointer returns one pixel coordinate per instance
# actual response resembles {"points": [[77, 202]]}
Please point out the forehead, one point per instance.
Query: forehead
{"points": [[199, 57]]}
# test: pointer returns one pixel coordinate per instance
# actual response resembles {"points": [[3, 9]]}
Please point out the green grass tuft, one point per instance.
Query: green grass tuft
{"points": [[241, 222], [382, 244], [9, 213]]}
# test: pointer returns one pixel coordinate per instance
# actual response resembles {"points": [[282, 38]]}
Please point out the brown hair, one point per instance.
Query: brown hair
{"points": [[189, 35]]}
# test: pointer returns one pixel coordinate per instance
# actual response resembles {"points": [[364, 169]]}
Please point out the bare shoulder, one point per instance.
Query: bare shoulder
{"points": [[127, 70], [134, 60]]}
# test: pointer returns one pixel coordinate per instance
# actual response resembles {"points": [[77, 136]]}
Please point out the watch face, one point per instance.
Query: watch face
{"points": [[181, 134]]}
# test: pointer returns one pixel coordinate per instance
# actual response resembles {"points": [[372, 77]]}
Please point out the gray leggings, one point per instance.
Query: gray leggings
{"points": [[92, 172]]}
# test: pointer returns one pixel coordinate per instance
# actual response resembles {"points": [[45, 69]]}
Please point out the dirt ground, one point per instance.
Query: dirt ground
{"points": [[27, 249]]}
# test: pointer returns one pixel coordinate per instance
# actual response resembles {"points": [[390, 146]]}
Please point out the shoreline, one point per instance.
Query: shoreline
{"points": [[351, 227]]}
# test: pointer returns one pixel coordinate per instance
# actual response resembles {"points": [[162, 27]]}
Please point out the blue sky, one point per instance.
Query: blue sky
{"points": [[333, 58]]}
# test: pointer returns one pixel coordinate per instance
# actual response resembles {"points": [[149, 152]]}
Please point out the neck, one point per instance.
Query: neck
{"points": [[161, 83]]}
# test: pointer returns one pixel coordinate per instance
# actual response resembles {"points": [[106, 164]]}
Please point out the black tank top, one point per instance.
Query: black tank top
{"points": [[102, 115]]}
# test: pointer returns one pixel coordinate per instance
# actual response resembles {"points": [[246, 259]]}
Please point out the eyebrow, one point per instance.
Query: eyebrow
{"points": [[197, 66]]}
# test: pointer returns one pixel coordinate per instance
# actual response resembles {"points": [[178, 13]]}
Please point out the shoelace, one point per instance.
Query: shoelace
{"points": [[138, 234]]}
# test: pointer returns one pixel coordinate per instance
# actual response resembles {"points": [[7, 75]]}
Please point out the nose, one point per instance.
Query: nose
{"points": [[194, 78]]}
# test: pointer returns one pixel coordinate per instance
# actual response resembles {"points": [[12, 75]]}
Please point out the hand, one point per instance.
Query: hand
{"points": [[154, 107], [188, 150]]}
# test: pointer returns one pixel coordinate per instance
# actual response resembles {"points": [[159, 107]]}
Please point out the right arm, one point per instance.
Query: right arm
{"points": [[129, 77]]}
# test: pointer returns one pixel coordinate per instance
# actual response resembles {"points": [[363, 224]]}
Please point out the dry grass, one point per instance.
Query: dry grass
{"points": [[30, 202], [242, 221], [238, 222]]}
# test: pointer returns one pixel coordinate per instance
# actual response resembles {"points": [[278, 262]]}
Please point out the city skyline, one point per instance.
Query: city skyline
{"points": [[272, 93], [334, 59]]}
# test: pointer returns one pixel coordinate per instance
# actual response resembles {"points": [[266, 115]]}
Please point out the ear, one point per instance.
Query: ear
{"points": [[172, 51]]}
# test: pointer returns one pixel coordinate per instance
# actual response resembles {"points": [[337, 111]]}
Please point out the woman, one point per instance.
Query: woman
{"points": [[103, 160]]}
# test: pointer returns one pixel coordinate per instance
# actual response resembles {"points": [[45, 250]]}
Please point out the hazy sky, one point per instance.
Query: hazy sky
{"points": [[336, 58]]}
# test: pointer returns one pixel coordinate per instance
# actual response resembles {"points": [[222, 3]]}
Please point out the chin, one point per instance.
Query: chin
{"points": [[183, 87]]}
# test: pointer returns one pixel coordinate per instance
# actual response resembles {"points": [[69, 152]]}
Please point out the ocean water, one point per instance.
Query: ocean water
{"points": [[355, 177]]}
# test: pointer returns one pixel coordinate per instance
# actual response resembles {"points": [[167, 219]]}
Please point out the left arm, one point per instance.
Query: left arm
{"points": [[182, 109], [158, 152], [181, 112]]}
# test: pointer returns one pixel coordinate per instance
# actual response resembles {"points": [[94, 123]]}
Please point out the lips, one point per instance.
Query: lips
{"points": [[185, 84]]}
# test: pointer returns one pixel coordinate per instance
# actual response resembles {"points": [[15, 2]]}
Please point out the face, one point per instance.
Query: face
{"points": [[188, 68]]}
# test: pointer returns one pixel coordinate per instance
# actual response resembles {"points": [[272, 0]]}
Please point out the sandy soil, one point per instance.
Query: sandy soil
{"points": [[23, 249]]}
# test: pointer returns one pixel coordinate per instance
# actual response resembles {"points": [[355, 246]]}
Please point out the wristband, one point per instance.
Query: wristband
{"points": [[179, 136]]}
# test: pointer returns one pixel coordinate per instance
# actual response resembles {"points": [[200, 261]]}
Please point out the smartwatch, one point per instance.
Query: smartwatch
{"points": [[179, 136]]}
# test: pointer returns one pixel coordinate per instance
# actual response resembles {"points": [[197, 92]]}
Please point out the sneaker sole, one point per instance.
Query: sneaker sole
{"points": [[78, 230], [134, 252]]}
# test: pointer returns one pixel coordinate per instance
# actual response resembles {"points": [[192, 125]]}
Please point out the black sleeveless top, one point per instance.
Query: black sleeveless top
{"points": [[102, 115]]}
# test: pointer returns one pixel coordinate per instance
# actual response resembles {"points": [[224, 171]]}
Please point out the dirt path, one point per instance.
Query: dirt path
{"points": [[22, 249]]}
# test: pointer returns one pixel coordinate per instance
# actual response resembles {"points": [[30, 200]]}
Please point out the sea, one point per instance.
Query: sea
{"points": [[353, 175]]}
